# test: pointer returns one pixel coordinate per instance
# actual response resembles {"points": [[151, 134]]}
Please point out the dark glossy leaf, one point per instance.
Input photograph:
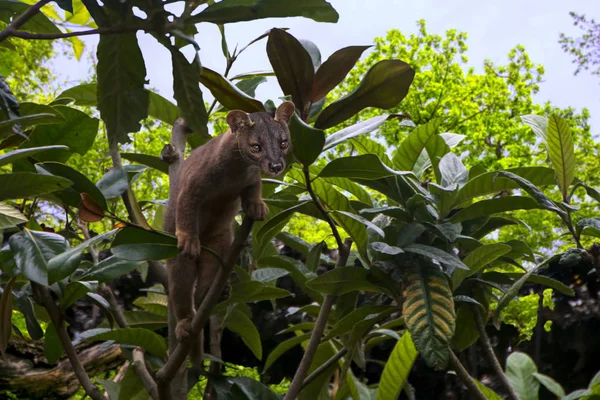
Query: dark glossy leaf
{"points": [[344, 325], [162, 109], [246, 388], [73, 292], [84, 94], [384, 248], [477, 259], [240, 323], [188, 94], [553, 387], [363, 221], [284, 347], [314, 256], [114, 183], [313, 51], [299, 273], [148, 160], [27, 184], [25, 306], [266, 275], [334, 70], [15, 155], [397, 368], [81, 184], [395, 212], [10, 126], [229, 11], [355, 130], [307, 142], [562, 152], [488, 207], [132, 387], [150, 341], [10, 216], [6, 315], [228, 94], [110, 269], [450, 260], [384, 86], [293, 68], [407, 154], [367, 166], [53, 347], [546, 281], [342, 280], [136, 244], [38, 23], [428, 309], [249, 85], [122, 99], [32, 251]]}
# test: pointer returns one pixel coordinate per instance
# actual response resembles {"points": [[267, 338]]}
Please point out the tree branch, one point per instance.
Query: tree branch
{"points": [[139, 367], [168, 371], [22, 19], [465, 377], [315, 374], [110, 30], [43, 295], [489, 351]]}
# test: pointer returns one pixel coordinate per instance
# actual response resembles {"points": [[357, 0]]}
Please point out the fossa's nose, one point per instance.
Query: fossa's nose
{"points": [[275, 167]]}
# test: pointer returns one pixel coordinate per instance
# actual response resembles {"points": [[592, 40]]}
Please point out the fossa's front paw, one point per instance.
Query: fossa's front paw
{"points": [[257, 210], [189, 245], [183, 328]]}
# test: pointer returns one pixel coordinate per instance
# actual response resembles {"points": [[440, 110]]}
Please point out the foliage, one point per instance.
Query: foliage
{"points": [[422, 220], [585, 49]]}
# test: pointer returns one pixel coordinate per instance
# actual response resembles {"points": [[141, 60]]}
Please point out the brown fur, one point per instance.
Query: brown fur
{"points": [[213, 182]]}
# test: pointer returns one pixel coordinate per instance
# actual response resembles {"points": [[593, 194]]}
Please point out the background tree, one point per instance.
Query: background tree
{"points": [[584, 49]]}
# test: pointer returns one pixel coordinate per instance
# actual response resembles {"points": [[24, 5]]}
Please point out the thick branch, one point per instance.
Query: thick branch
{"points": [[139, 367], [112, 30], [168, 371], [22, 19], [43, 294], [315, 374], [465, 377], [489, 351]]}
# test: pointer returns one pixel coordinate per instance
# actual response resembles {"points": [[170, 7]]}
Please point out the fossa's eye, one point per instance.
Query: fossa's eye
{"points": [[255, 148], [284, 144]]}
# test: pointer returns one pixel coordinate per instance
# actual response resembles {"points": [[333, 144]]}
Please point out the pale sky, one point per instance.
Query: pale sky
{"points": [[493, 28]]}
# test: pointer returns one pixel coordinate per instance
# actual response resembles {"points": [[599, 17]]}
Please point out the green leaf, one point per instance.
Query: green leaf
{"points": [[453, 173], [274, 224], [73, 292], [78, 132], [32, 251], [546, 281], [364, 145], [539, 125], [363, 221], [489, 182], [428, 309], [284, 347], [519, 371], [85, 95], [228, 94], [334, 70], [314, 256], [64, 264], [238, 322], [53, 347], [553, 387], [18, 154], [397, 368], [353, 188], [148, 340], [355, 130], [451, 261], [385, 248], [307, 142], [153, 302], [114, 183], [150, 161], [344, 326], [266, 275], [162, 109], [8, 126], [478, 259], [229, 11], [20, 185], [10, 216], [488, 207], [132, 387], [395, 212], [246, 388], [297, 270], [188, 94], [112, 388], [342, 280], [122, 99], [293, 68], [489, 393], [407, 154], [6, 315], [367, 166], [25, 306], [109, 269], [81, 184], [38, 23], [562, 152], [383, 86]]}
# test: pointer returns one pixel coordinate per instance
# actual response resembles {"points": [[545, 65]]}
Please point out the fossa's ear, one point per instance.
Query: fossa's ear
{"points": [[238, 120], [285, 112]]}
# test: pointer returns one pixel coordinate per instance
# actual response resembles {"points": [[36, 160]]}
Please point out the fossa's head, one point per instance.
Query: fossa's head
{"points": [[263, 138]]}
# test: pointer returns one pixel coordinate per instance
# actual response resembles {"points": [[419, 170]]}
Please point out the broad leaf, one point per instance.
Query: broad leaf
{"points": [[519, 371], [428, 309], [228, 94], [114, 183], [562, 152], [148, 340], [162, 109], [229, 11], [15, 155], [478, 259], [451, 261], [122, 99], [344, 326], [355, 130], [109, 269], [10, 216], [342, 280], [38, 23], [408, 152], [554, 387], [269, 274], [284, 347], [488, 207], [367, 166], [84, 95], [397, 368], [383, 86], [334, 70], [136, 244], [73, 292], [241, 324], [53, 347], [150, 161], [21, 185], [6, 315], [307, 142], [538, 123]]}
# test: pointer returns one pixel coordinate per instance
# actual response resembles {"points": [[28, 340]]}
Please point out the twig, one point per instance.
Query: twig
{"points": [[112, 30], [139, 367], [324, 367], [43, 295], [489, 351], [328, 301], [465, 377], [114, 305], [22, 19], [168, 371]]}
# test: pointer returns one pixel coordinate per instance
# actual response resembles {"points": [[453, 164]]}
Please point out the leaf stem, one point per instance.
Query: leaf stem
{"points": [[18, 22], [315, 374]]}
